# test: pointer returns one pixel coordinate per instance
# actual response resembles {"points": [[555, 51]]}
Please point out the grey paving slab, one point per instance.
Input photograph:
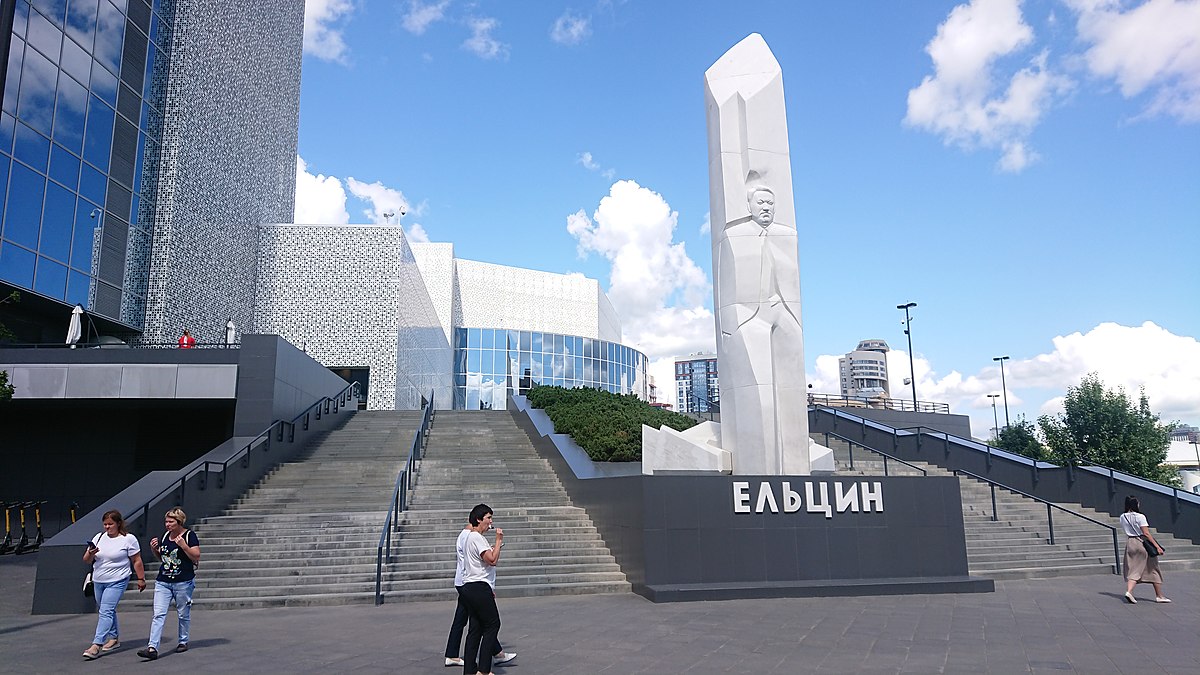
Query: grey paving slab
{"points": [[1065, 625]]}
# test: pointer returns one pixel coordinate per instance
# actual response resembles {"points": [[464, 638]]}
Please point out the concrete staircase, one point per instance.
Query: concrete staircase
{"points": [[550, 546], [306, 534], [1017, 544]]}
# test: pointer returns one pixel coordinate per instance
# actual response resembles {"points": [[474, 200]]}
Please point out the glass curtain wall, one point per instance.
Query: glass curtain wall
{"points": [[491, 363], [77, 120]]}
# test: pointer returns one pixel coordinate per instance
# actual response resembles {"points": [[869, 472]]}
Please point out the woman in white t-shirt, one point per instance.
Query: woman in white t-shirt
{"points": [[478, 591], [1139, 566], [112, 554]]}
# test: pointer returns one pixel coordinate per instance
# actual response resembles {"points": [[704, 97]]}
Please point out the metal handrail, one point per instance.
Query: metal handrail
{"points": [[880, 403], [243, 453], [886, 456], [117, 345], [399, 501], [1049, 513]]}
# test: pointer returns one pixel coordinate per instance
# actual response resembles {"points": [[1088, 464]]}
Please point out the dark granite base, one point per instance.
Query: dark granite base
{"points": [[815, 589]]}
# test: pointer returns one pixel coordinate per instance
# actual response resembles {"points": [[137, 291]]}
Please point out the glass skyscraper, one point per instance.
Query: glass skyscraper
{"points": [[141, 144]]}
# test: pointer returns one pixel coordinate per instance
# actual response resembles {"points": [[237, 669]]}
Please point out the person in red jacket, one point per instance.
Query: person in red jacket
{"points": [[186, 341]]}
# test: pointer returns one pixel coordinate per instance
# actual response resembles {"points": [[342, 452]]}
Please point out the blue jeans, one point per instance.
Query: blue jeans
{"points": [[108, 594], [181, 593]]}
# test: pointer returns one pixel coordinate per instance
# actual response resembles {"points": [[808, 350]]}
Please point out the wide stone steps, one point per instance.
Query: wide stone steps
{"points": [[1017, 544], [307, 534], [483, 457]]}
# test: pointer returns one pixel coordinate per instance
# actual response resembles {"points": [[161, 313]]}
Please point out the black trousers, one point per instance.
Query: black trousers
{"points": [[456, 629], [485, 625]]}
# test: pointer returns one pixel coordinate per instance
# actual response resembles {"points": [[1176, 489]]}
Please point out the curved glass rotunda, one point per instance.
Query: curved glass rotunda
{"points": [[491, 363]]}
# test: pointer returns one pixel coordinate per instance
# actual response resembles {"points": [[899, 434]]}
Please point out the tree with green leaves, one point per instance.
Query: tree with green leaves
{"points": [[1021, 438], [1099, 426], [5, 333], [6, 389]]}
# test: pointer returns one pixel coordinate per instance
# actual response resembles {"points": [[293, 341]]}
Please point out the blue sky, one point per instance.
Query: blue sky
{"points": [[1027, 172]]}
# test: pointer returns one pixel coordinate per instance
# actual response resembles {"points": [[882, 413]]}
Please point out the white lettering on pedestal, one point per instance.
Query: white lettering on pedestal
{"points": [[741, 497], [866, 497], [818, 505], [872, 496], [791, 498], [846, 500], [765, 496]]}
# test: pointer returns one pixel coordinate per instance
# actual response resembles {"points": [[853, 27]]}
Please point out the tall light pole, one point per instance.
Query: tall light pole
{"points": [[1003, 387], [912, 373], [995, 418]]}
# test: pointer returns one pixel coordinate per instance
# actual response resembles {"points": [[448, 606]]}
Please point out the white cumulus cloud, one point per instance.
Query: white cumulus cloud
{"points": [[570, 29], [1153, 47], [323, 21], [1146, 357], [964, 103], [482, 43], [321, 200], [421, 15], [656, 288], [589, 162]]}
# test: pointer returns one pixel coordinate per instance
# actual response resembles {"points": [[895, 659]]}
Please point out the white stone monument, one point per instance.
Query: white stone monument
{"points": [[756, 285], [756, 270]]}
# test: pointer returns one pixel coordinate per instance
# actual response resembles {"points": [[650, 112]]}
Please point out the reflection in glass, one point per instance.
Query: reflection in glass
{"points": [[31, 147], [526, 341], [473, 338], [537, 343], [7, 123], [16, 264], [78, 285], [104, 83], [51, 279], [12, 82], [69, 114], [84, 235], [92, 184], [81, 22], [20, 18], [110, 31], [58, 218], [75, 61], [489, 338], [44, 36], [97, 143], [472, 360], [25, 193], [36, 102]]}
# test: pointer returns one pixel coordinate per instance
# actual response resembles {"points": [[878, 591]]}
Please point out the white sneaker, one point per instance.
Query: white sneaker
{"points": [[1162, 600], [1129, 597], [505, 657], [455, 662]]}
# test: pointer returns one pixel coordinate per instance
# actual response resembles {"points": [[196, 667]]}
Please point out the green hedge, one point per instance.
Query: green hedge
{"points": [[607, 426]]}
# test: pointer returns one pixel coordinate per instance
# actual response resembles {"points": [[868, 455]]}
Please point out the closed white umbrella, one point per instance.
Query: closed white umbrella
{"points": [[230, 332], [75, 330]]}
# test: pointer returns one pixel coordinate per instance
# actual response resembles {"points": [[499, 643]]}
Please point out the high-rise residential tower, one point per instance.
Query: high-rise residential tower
{"points": [[141, 144], [864, 371]]}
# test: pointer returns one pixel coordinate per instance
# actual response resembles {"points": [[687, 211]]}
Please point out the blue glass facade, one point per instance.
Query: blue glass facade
{"points": [[81, 112], [491, 363]]}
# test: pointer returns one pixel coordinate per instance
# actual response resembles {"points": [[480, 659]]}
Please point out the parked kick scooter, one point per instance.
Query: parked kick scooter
{"points": [[37, 520], [23, 545], [7, 546]]}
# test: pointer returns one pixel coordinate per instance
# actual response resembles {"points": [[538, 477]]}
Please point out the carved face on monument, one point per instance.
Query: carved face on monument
{"points": [[762, 206]]}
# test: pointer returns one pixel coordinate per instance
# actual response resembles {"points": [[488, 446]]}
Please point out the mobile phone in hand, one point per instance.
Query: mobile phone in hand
{"points": [[92, 546]]}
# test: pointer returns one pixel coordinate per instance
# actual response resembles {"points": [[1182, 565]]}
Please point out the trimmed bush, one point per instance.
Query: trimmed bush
{"points": [[607, 426]]}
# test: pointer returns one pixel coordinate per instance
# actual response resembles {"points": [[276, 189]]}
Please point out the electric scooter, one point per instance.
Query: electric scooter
{"points": [[7, 546], [23, 545]]}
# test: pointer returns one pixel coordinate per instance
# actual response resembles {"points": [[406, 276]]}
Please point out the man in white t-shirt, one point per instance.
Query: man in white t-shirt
{"points": [[478, 590], [460, 612]]}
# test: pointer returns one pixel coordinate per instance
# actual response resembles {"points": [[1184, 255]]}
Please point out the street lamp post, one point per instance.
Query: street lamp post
{"points": [[912, 373], [995, 418], [1003, 387]]}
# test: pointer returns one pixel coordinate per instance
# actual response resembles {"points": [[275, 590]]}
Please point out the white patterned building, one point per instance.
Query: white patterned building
{"points": [[410, 319]]}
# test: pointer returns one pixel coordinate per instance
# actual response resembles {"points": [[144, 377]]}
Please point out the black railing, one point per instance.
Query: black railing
{"points": [[702, 407], [277, 430], [119, 344], [878, 403], [886, 457], [399, 504], [1050, 506]]}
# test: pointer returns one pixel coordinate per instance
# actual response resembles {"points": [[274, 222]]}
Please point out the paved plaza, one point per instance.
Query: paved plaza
{"points": [[1073, 624]]}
